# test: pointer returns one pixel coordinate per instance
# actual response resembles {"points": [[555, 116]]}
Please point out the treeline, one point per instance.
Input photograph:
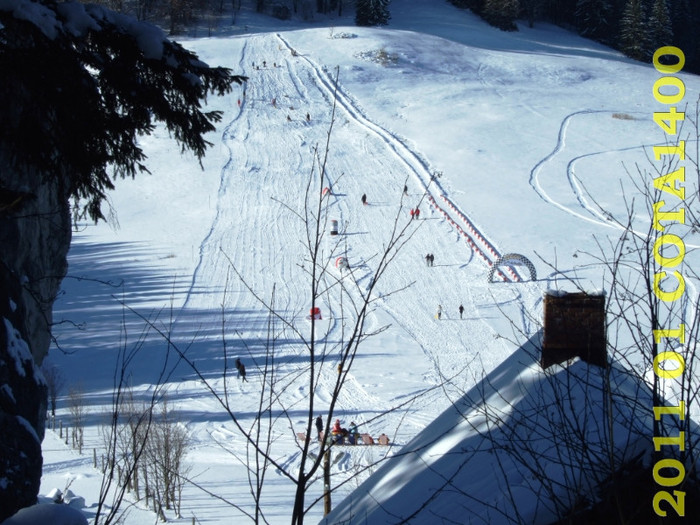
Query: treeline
{"points": [[635, 27], [182, 15]]}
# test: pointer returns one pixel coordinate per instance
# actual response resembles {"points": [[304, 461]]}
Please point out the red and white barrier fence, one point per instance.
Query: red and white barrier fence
{"points": [[474, 239]]}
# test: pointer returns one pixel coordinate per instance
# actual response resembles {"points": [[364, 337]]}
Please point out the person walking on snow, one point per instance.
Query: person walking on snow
{"points": [[364, 199], [241, 369], [461, 311], [353, 433], [319, 426], [438, 315]]}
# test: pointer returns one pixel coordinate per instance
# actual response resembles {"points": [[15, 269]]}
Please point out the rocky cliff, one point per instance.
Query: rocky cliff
{"points": [[35, 228]]}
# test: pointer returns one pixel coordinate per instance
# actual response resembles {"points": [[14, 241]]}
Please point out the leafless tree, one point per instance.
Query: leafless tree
{"points": [[325, 357], [128, 428], [166, 449], [77, 409], [55, 381]]}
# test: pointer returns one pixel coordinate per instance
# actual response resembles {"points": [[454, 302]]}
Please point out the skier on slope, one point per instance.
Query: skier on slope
{"points": [[241, 369]]}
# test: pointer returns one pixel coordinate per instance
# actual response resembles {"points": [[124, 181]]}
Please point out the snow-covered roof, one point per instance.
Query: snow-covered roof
{"points": [[509, 450]]}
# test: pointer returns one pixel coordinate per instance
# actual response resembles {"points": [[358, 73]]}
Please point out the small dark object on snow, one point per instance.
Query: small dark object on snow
{"points": [[241, 369]]}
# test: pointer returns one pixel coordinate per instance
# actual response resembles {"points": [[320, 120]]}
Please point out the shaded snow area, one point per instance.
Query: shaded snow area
{"points": [[507, 143]]}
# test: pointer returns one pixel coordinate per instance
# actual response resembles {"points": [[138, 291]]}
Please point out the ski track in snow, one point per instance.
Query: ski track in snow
{"points": [[549, 163], [415, 164], [257, 199], [536, 173]]}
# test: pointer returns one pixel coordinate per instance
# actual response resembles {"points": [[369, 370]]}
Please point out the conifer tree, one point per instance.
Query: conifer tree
{"points": [[502, 13], [79, 85], [633, 35], [685, 22], [593, 18], [660, 30], [100, 85], [372, 12]]}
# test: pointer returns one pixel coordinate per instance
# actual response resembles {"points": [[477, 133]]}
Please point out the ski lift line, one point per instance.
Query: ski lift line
{"points": [[476, 234], [471, 242], [415, 164], [408, 157]]}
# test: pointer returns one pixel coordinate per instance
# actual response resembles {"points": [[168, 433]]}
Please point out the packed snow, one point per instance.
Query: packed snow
{"points": [[507, 143]]}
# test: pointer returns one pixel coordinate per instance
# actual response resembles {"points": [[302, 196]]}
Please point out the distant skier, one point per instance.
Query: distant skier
{"points": [[431, 259], [405, 190], [427, 259], [461, 311], [353, 433], [417, 215], [241, 369], [308, 118], [319, 426], [364, 199], [438, 315]]}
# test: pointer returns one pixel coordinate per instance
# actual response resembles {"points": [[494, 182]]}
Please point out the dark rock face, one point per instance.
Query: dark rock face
{"points": [[35, 229]]}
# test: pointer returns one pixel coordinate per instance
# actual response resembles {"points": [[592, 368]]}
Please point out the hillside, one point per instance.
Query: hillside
{"points": [[522, 142]]}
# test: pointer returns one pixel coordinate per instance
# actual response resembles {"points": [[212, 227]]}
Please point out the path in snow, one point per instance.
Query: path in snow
{"points": [[272, 147], [547, 176]]}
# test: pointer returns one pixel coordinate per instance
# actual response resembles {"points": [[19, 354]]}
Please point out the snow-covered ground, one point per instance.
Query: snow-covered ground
{"points": [[527, 132]]}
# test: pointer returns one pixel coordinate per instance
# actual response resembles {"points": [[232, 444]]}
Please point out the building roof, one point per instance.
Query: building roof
{"points": [[522, 446]]}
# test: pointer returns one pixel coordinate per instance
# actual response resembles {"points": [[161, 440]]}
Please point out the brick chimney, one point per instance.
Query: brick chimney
{"points": [[574, 326]]}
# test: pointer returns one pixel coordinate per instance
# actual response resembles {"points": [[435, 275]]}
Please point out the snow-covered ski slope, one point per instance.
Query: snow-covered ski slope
{"points": [[528, 133]]}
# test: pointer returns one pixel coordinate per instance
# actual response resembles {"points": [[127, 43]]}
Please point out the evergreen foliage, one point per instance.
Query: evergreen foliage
{"points": [[633, 31], [84, 83], [636, 27], [660, 29], [593, 19], [501, 13], [372, 12]]}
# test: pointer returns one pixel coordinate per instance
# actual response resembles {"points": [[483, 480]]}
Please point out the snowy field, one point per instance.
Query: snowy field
{"points": [[507, 142]]}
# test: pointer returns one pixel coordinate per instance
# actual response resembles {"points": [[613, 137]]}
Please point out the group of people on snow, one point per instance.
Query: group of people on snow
{"points": [[338, 433], [438, 314], [351, 435]]}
